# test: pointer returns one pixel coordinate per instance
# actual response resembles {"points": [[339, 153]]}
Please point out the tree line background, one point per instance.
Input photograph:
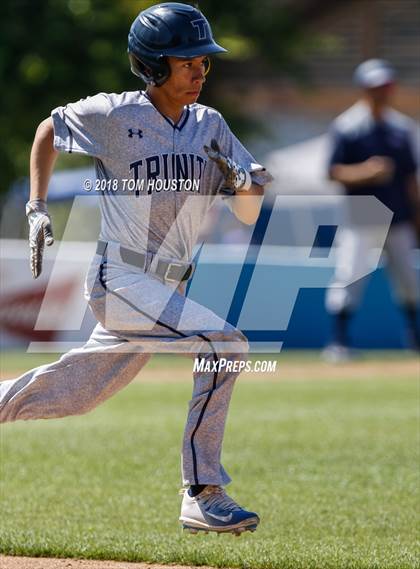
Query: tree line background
{"points": [[57, 51]]}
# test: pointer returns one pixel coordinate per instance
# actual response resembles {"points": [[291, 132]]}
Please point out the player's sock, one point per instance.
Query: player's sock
{"points": [[195, 489], [411, 314], [341, 326]]}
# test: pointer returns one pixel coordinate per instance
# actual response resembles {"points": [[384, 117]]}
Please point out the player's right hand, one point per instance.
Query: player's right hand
{"points": [[379, 169], [40, 233]]}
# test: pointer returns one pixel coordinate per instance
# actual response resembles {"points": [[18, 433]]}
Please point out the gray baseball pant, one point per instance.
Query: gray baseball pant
{"points": [[353, 257], [138, 315]]}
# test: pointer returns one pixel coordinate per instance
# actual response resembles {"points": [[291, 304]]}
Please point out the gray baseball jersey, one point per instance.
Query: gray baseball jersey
{"points": [[161, 183]]}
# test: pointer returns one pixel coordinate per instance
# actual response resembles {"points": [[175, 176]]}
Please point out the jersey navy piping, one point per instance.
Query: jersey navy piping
{"points": [[164, 325], [178, 127], [203, 410]]}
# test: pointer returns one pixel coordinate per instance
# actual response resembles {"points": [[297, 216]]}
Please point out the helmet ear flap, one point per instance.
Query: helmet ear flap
{"points": [[207, 65], [155, 75], [138, 67]]}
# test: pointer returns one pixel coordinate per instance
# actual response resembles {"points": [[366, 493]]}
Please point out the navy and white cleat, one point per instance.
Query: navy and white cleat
{"points": [[213, 510]]}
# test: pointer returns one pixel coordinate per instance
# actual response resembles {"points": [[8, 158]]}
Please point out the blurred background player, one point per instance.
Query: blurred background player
{"points": [[373, 154]]}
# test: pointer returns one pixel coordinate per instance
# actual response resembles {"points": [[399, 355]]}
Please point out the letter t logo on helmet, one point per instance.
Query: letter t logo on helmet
{"points": [[201, 25], [167, 30]]}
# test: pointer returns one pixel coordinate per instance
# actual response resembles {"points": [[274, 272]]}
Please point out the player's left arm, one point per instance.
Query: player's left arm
{"points": [[410, 167], [413, 190], [245, 195], [246, 205]]}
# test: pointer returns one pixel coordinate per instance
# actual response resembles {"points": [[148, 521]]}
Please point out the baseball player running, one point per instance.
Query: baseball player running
{"points": [[373, 154], [161, 139]]}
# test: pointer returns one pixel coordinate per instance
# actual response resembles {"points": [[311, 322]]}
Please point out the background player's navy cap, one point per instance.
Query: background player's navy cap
{"points": [[374, 73]]}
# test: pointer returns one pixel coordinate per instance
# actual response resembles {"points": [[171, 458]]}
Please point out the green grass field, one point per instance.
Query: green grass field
{"points": [[330, 466]]}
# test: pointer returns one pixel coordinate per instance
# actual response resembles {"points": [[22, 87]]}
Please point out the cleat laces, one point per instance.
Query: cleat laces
{"points": [[216, 496]]}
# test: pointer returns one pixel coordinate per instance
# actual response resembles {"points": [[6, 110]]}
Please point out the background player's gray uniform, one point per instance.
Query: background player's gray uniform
{"points": [[139, 313]]}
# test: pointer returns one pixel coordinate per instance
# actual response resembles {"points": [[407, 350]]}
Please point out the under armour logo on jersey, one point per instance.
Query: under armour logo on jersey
{"points": [[132, 132], [202, 27]]}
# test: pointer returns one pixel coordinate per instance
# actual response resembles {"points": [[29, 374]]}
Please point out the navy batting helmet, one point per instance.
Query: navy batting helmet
{"points": [[169, 29]]}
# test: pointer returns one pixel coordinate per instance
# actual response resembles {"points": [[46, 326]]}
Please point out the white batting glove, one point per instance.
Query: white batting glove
{"points": [[236, 177], [40, 233]]}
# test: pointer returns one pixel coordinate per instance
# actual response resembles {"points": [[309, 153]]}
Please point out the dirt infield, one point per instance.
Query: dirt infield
{"points": [[304, 371], [356, 369], [47, 563]]}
